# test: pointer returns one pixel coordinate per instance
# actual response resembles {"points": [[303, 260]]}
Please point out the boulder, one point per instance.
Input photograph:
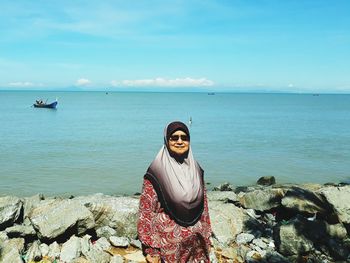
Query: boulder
{"points": [[33, 253], [266, 180], [105, 231], [262, 200], [224, 187], [291, 240], [244, 238], [119, 213], [25, 230], [10, 209], [102, 244], [222, 196], [71, 249], [339, 198], [54, 250], [226, 221], [305, 201], [29, 203], [119, 241], [95, 255], [57, 217], [11, 250]]}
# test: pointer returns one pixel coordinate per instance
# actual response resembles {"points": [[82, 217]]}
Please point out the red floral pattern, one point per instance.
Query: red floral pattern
{"points": [[160, 235]]}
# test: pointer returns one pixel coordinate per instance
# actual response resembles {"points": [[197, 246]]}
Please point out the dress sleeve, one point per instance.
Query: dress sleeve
{"points": [[147, 214]]}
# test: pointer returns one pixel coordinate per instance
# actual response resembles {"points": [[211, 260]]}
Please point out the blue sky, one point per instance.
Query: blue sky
{"points": [[298, 46]]}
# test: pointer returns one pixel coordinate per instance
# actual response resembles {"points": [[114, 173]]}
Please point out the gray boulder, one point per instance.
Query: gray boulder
{"points": [[29, 203], [119, 241], [53, 218], [222, 196], [95, 255], [54, 250], [105, 231], [25, 230], [11, 250], [262, 200], [119, 213], [339, 198], [305, 201], [291, 238], [266, 180], [34, 252], [71, 249], [10, 208], [227, 221]]}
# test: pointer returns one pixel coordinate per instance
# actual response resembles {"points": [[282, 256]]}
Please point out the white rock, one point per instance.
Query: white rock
{"points": [[119, 241], [54, 250], [117, 259], [244, 238], [71, 249], [44, 249], [102, 244]]}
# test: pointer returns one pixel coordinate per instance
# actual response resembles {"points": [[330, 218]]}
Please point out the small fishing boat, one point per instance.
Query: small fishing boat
{"points": [[41, 104]]}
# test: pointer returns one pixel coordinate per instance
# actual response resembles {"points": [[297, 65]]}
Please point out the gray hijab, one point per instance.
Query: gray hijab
{"points": [[179, 185]]}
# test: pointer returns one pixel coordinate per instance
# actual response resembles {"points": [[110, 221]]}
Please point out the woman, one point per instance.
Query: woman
{"points": [[174, 224]]}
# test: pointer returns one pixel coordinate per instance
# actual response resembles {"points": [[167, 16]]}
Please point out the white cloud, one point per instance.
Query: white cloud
{"points": [[21, 84], [83, 82], [163, 82]]}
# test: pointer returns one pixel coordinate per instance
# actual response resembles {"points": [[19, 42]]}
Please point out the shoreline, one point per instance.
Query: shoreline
{"points": [[266, 222]]}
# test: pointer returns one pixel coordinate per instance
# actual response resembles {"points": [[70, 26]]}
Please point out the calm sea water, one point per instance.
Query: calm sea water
{"points": [[97, 142]]}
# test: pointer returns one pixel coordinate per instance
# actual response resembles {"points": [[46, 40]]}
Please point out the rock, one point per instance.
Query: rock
{"points": [[226, 221], [244, 238], [119, 213], [44, 249], [224, 187], [339, 198], [80, 260], [119, 241], [102, 244], [10, 208], [222, 196], [33, 253], [337, 231], [106, 232], [262, 200], [57, 217], [95, 255], [304, 201], [260, 243], [25, 230], [266, 180], [29, 203], [291, 238], [117, 259], [136, 243], [54, 250], [338, 250], [253, 256], [71, 249], [275, 257], [136, 256], [3, 236], [11, 250], [85, 244]]}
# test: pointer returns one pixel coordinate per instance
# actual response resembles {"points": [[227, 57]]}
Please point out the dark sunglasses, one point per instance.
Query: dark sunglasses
{"points": [[175, 138]]}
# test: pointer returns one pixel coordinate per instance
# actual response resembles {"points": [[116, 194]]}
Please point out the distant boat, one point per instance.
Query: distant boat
{"points": [[41, 104], [211, 93]]}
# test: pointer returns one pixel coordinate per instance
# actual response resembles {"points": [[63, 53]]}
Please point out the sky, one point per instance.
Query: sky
{"points": [[218, 45]]}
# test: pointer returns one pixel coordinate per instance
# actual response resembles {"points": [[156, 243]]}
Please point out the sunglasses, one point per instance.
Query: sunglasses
{"points": [[175, 138]]}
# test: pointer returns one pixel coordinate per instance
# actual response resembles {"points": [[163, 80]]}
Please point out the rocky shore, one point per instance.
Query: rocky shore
{"points": [[266, 222]]}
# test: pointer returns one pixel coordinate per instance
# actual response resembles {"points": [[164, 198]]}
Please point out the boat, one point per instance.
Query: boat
{"points": [[41, 104], [211, 93]]}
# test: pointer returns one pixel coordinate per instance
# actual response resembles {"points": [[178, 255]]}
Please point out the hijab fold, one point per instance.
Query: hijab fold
{"points": [[179, 185]]}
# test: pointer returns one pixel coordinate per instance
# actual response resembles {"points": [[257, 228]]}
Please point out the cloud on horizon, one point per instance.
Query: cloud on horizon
{"points": [[163, 82], [20, 84], [83, 82]]}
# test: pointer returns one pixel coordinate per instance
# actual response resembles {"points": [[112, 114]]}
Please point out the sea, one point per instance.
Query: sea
{"points": [[103, 142]]}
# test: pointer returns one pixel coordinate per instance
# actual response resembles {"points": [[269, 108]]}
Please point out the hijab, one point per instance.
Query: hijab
{"points": [[179, 184]]}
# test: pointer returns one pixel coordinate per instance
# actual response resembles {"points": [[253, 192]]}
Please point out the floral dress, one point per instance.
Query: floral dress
{"points": [[160, 235]]}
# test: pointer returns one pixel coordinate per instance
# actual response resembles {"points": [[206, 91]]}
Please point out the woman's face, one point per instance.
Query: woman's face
{"points": [[179, 143]]}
